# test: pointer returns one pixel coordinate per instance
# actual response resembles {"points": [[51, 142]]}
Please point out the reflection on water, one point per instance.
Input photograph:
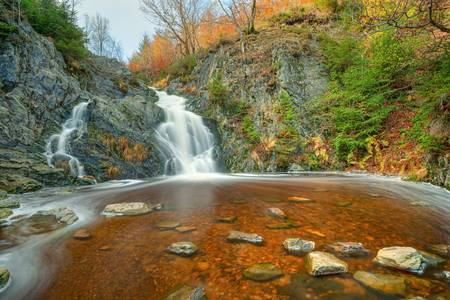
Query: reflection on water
{"points": [[126, 257]]}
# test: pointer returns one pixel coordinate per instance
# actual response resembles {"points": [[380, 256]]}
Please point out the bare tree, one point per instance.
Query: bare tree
{"points": [[181, 18]]}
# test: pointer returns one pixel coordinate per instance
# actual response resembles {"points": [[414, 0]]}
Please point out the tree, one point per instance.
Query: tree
{"points": [[181, 18], [72, 7]]}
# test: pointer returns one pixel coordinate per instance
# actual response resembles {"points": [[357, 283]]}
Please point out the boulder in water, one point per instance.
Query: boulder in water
{"points": [[298, 246], [319, 263], [348, 249], [386, 284], [82, 234], [276, 212], [183, 248], [127, 208], [401, 258], [63, 215], [9, 203], [440, 249], [262, 272], [187, 293], [242, 237], [4, 277]]}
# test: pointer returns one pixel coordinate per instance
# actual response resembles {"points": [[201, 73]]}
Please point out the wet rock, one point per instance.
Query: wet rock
{"points": [[105, 248], [185, 229], [9, 203], [295, 199], [127, 208], [262, 272], [187, 293], [446, 276], [283, 225], [183, 248], [82, 234], [401, 258], [228, 220], [3, 194], [348, 249], [440, 249], [242, 237], [319, 263], [167, 225], [63, 215], [4, 277], [344, 203], [87, 180], [386, 284], [298, 246], [276, 212], [432, 259], [5, 212]]}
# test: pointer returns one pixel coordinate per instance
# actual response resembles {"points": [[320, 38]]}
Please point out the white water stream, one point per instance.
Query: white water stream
{"points": [[187, 144], [58, 146]]}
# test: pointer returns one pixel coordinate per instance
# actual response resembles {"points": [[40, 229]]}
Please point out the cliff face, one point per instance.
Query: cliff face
{"points": [[37, 94]]}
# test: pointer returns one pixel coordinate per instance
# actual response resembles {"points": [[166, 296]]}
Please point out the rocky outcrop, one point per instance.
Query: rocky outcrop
{"points": [[38, 90]]}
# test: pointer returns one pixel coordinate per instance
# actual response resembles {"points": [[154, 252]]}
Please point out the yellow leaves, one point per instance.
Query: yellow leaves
{"points": [[112, 172], [268, 143], [320, 148]]}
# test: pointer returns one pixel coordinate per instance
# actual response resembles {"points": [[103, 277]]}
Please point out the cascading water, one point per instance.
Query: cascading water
{"points": [[188, 145], [58, 146]]}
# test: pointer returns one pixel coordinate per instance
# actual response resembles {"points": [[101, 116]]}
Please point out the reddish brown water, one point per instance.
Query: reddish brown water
{"points": [[126, 257]]}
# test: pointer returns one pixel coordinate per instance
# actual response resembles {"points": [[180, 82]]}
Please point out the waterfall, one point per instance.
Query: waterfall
{"points": [[58, 146], [186, 143]]}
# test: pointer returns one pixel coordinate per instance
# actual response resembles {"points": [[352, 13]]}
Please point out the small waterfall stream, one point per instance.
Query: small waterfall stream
{"points": [[58, 146], [187, 144]]}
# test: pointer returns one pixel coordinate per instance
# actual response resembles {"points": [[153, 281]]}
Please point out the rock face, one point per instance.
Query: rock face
{"points": [[276, 212], [386, 284], [348, 249], [183, 248], [63, 215], [242, 237], [127, 208], [298, 246], [262, 272], [319, 263], [187, 293], [4, 277], [401, 258], [37, 93]]}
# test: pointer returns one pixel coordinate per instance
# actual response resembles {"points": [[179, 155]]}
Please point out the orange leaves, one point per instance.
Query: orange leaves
{"points": [[123, 148]]}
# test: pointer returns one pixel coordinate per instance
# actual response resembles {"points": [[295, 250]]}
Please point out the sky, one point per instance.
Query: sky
{"points": [[127, 22]]}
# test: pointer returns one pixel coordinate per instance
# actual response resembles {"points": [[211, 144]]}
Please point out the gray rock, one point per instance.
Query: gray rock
{"points": [[5, 212], [242, 237], [63, 215], [319, 263], [298, 246], [276, 212], [440, 249], [4, 277], [401, 258], [187, 293], [262, 272], [183, 248], [348, 249], [446, 276], [127, 208], [9, 203], [386, 284]]}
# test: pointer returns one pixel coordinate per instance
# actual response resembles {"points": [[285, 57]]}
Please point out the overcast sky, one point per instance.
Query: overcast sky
{"points": [[128, 24]]}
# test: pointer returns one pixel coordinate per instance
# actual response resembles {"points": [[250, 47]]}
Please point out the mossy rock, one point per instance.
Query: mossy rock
{"points": [[263, 272], [5, 212]]}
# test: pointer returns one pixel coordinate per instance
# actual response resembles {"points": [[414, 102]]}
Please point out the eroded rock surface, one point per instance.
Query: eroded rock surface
{"points": [[401, 258]]}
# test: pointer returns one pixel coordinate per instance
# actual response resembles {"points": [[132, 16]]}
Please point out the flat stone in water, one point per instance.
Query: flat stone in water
{"points": [[4, 277], [432, 259], [9, 203], [228, 220], [295, 199], [187, 293], [298, 246], [185, 229], [62, 214], [401, 258], [386, 284], [440, 249], [5, 212], [319, 263], [276, 212], [166, 225], [127, 208], [82, 234], [348, 249], [262, 272], [242, 237], [420, 203], [344, 203], [183, 248]]}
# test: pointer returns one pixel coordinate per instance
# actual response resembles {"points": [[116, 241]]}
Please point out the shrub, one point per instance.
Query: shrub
{"points": [[217, 90], [250, 130], [182, 67]]}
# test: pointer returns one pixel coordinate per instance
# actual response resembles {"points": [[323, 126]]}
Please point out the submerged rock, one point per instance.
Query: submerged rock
{"points": [[185, 229], [187, 293], [319, 263], [82, 234], [63, 215], [284, 225], [348, 249], [440, 249], [183, 248], [4, 277], [262, 272], [9, 203], [344, 203], [386, 284], [276, 212], [242, 237], [401, 258], [228, 220], [298, 246], [5, 212], [295, 199], [432, 259], [127, 208], [167, 225]]}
